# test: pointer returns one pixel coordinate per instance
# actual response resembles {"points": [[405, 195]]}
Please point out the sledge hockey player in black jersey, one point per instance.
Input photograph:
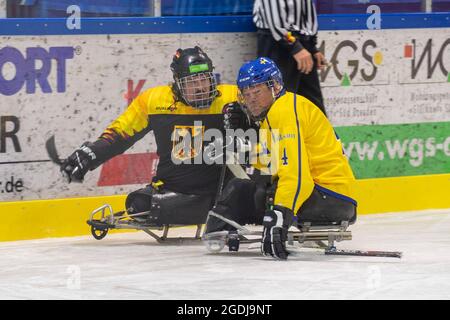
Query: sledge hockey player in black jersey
{"points": [[183, 189]]}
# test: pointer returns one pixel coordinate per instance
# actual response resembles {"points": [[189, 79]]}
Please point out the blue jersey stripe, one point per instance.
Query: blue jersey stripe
{"points": [[297, 193], [336, 195]]}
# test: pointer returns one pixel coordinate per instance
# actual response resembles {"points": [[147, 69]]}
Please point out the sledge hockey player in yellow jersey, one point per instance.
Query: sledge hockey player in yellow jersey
{"points": [[308, 153], [312, 179], [183, 189]]}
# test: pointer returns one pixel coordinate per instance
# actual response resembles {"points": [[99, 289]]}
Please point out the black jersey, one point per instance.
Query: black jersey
{"points": [[179, 132]]}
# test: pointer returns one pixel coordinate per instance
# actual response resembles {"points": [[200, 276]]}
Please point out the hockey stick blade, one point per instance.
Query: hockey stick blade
{"points": [[362, 253], [238, 171], [51, 150]]}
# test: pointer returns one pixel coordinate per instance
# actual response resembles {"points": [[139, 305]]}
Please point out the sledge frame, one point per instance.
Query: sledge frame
{"points": [[123, 220]]}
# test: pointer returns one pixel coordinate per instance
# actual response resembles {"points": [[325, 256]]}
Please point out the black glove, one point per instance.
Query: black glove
{"points": [[235, 117], [78, 163], [276, 224]]}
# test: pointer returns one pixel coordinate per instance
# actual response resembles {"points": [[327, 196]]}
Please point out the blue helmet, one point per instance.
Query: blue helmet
{"points": [[258, 71]]}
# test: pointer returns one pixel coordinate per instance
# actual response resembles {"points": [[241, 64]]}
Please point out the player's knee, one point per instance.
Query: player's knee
{"points": [[242, 201], [138, 204], [139, 200], [237, 189]]}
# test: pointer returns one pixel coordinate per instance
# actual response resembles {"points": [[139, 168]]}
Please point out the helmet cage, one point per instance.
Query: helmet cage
{"points": [[194, 93], [271, 84]]}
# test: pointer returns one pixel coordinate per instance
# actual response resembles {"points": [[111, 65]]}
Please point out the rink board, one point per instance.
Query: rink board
{"points": [[386, 93], [67, 217]]}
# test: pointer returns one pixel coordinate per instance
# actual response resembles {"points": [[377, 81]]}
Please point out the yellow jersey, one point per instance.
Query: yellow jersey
{"points": [[300, 149]]}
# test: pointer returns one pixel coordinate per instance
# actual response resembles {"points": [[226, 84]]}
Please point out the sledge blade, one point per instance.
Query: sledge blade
{"points": [[362, 253]]}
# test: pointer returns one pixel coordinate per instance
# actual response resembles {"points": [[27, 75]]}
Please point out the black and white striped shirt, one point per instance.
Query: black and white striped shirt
{"points": [[282, 16]]}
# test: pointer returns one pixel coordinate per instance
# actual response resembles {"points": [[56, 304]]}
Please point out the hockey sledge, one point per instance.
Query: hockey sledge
{"points": [[103, 219], [322, 236]]}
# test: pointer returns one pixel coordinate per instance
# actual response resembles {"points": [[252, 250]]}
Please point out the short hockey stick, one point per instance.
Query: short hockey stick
{"points": [[51, 150]]}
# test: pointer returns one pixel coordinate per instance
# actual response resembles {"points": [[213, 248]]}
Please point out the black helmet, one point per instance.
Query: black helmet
{"points": [[195, 84]]}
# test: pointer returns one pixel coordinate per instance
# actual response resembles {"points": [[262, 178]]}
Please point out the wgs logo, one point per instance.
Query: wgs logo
{"points": [[423, 58], [346, 64]]}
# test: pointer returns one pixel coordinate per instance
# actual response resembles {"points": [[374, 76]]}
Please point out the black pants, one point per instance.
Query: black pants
{"points": [[322, 209], [307, 85], [169, 207], [244, 202]]}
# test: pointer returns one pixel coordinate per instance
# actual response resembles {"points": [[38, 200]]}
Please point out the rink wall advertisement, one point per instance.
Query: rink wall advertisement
{"points": [[386, 92], [73, 87]]}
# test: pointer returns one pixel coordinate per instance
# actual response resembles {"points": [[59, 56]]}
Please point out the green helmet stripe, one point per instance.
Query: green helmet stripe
{"points": [[198, 68]]}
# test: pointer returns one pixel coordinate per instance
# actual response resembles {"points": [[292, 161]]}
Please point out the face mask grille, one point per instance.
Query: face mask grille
{"points": [[245, 98], [198, 90]]}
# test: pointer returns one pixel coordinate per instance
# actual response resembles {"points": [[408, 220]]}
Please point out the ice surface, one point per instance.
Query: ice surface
{"points": [[134, 266]]}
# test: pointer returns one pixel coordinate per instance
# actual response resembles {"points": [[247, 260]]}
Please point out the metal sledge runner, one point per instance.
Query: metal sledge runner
{"points": [[322, 235]]}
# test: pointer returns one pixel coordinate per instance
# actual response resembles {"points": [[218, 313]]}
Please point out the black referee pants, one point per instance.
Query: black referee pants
{"points": [[307, 85]]}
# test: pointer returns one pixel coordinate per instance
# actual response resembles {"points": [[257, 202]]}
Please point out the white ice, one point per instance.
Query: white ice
{"points": [[134, 266]]}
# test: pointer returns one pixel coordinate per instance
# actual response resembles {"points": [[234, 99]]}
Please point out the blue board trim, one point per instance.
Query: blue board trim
{"points": [[207, 24], [132, 25], [388, 21]]}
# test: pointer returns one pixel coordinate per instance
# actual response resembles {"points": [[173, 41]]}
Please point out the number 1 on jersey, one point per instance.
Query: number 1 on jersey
{"points": [[285, 158]]}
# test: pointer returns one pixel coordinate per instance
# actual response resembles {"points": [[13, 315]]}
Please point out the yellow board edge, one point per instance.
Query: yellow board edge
{"points": [[36, 219], [411, 193]]}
